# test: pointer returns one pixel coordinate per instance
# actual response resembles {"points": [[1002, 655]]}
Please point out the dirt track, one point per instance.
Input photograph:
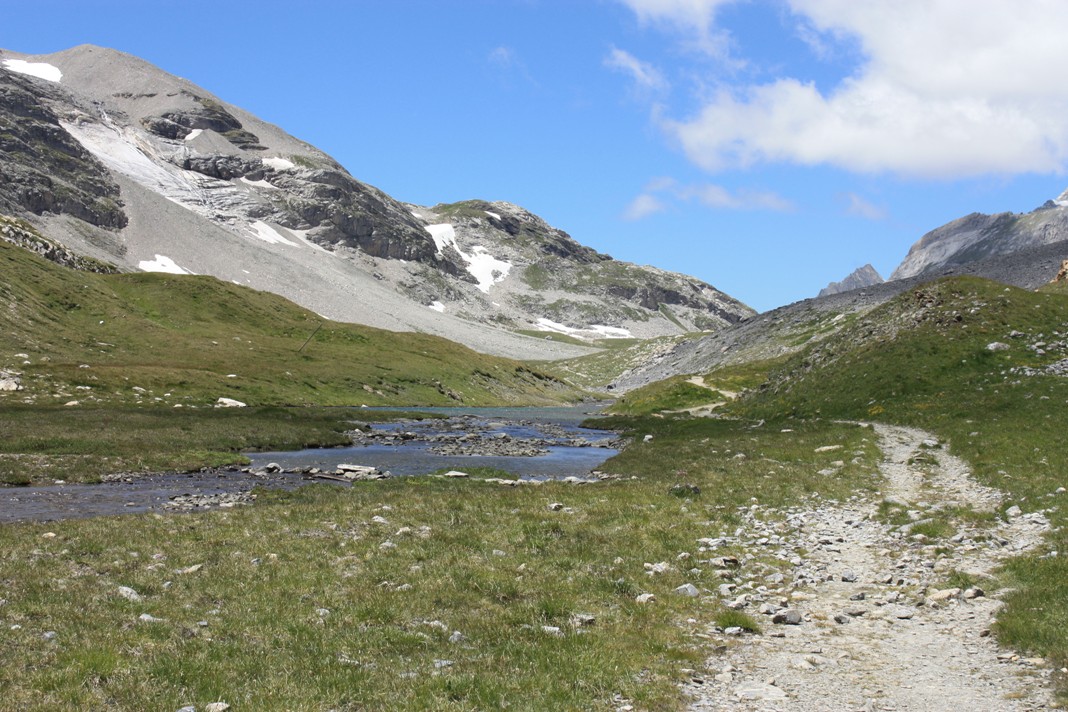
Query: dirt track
{"points": [[875, 633]]}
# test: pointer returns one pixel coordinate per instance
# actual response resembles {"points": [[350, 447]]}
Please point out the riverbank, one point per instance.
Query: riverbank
{"points": [[527, 449]]}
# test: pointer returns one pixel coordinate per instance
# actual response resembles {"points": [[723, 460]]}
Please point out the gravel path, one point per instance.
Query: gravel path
{"points": [[861, 624]]}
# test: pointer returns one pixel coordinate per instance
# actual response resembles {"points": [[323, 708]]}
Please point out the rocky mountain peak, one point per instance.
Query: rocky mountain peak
{"points": [[859, 278]]}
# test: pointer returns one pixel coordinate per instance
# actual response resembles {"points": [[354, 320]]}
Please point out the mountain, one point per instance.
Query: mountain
{"points": [[977, 237], [859, 278], [124, 163], [89, 337]]}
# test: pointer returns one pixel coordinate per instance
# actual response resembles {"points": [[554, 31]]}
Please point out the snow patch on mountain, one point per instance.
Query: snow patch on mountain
{"points": [[162, 263], [193, 134], [594, 330], [258, 184], [444, 235], [268, 234], [122, 150], [278, 163], [484, 267], [438, 307], [41, 70]]}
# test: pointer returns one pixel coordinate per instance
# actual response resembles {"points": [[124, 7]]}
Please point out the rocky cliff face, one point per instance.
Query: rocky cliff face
{"points": [[42, 167], [859, 278], [125, 163], [978, 237]]}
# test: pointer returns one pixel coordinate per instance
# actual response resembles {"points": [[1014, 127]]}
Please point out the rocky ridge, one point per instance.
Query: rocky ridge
{"points": [[977, 237]]}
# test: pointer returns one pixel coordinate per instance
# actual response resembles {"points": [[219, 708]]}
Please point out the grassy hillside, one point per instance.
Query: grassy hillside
{"points": [[181, 340]]}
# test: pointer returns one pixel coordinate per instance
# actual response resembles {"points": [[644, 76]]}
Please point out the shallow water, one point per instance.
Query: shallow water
{"points": [[414, 457], [148, 493], [410, 457]]}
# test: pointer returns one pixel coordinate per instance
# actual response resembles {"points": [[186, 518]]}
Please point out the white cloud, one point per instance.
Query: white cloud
{"points": [[503, 57], [947, 88], [509, 64], [643, 206], [858, 206], [694, 18], [660, 192], [716, 196], [645, 75]]}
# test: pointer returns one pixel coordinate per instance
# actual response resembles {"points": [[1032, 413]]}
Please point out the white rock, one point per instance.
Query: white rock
{"points": [[129, 594], [217, 707], [657, 568], [229, 403], [645, 598], [759, 691], [688, 589]]}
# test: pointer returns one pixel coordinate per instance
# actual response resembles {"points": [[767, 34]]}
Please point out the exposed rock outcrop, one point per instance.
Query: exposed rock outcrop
{"points": [[42, 168]]}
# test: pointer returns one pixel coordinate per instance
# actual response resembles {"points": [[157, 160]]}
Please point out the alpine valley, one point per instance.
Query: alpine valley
{"points": [[854, 502]]}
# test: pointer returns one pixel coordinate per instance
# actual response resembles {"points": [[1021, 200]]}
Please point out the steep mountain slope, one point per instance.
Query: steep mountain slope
{"points": [[123, 162], [978, 237]]}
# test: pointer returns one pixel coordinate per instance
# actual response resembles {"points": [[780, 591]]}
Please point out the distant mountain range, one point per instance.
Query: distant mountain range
{"points": [[1015, 248], [120, 161]]}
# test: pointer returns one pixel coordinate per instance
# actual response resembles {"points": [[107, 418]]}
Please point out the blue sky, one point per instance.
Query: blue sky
{"points": [[765, 146]]}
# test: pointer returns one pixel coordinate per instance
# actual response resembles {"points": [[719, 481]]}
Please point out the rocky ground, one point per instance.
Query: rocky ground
{"points": [[857, 613]]}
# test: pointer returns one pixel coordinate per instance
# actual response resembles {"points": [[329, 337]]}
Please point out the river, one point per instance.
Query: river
{"points": [[529, 443]]}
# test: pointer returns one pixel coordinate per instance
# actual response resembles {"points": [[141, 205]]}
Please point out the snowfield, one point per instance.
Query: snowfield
{"points": [[268, 234], [483, 266], [279, 164], [162, 263], [41, 70], [596, 330]]}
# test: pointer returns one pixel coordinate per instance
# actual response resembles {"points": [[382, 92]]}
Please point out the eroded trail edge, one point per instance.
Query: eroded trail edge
{"points": [[866, 615]]}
